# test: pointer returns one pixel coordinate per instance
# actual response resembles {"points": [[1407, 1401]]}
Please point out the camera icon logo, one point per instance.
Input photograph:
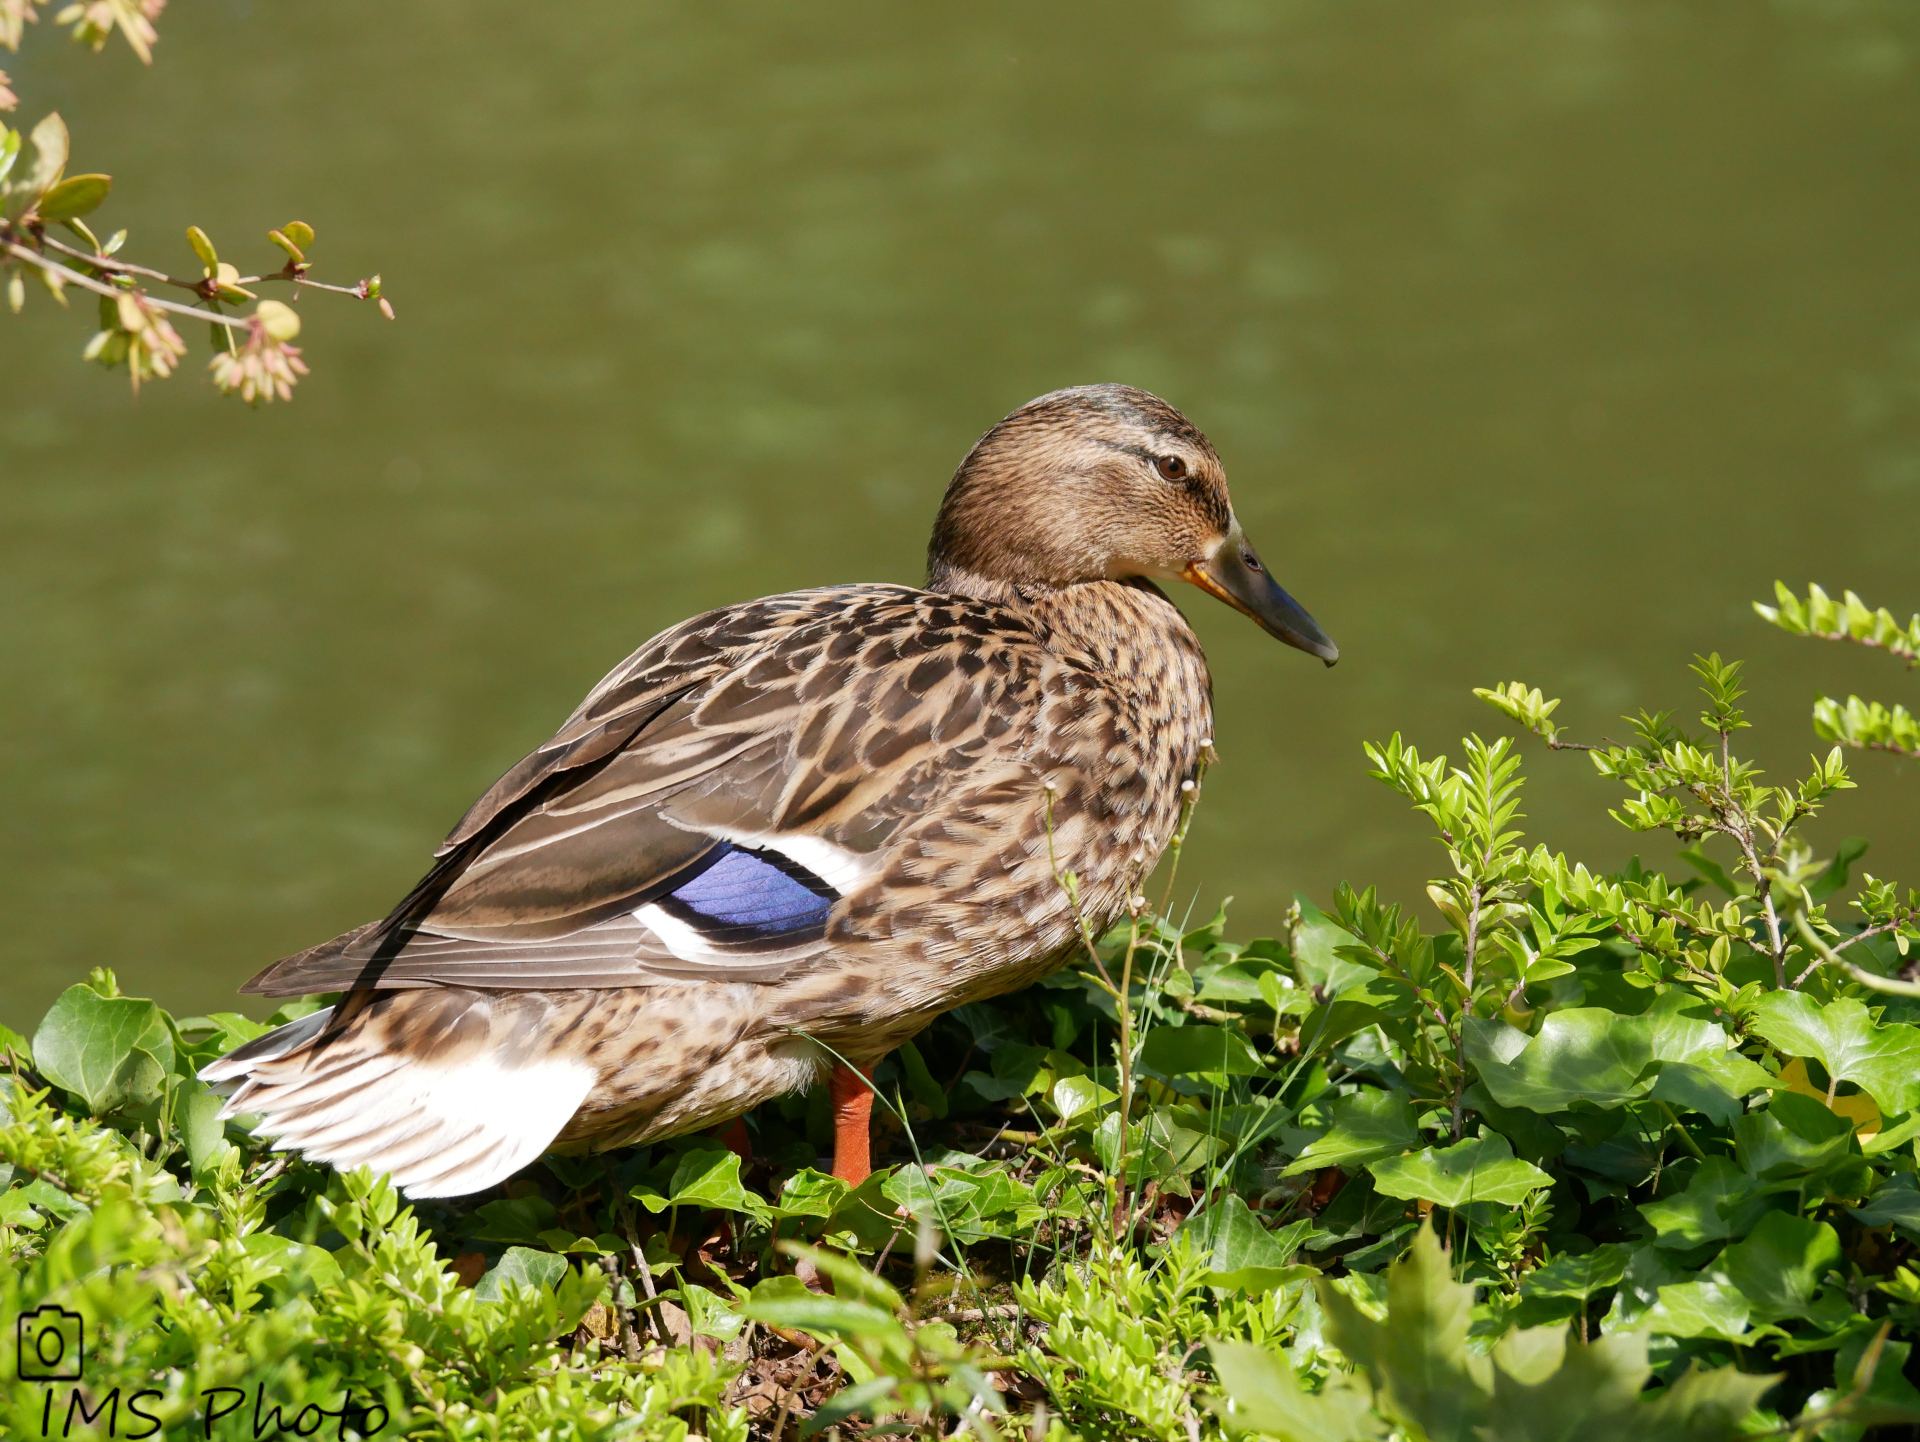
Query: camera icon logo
{"points": [[53, 1345]]}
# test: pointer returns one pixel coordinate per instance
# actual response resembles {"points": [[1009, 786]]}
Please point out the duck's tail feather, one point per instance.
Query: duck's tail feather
{"points": [[424, 1091]]}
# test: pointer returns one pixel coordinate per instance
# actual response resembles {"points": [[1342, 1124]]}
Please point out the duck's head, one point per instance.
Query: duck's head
{"points": [[1105, 483]]}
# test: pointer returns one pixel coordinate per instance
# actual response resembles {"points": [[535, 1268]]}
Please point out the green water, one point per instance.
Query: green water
{"points": [[1538, 337]]}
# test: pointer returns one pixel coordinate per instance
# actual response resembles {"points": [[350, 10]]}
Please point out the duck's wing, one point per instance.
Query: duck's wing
{"points": [[710, 806]]}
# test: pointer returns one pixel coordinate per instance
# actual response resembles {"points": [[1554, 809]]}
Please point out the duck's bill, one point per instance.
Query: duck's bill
{"points": [[1236, 575]]}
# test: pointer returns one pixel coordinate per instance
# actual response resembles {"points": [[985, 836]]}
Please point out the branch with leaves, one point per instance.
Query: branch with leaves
{"points": [[1864, 724], [254, 356], [1698, 789]]}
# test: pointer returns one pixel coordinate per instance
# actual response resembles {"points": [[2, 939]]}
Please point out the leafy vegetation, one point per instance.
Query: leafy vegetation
{"points": [[1866, 724], [254, 357], [1604, 1154]]}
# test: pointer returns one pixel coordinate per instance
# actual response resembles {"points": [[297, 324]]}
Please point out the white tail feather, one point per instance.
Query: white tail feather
{"points": [[440, 1128], [234, 1067]]}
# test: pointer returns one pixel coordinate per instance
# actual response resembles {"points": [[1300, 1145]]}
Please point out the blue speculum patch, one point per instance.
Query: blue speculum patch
{"points": [[747, 891]]}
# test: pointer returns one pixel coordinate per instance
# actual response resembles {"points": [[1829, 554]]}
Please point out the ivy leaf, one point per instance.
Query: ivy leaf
{"points": [[1074, 1096], [1480, 1169], [1579, 1275], [1883, 1061], [710, 1314], [1859, 1109], [1199, 1050], [1533, 1136], [1580, 1054], [1721, 1202], [1243, 1255], [1780, 1265], [1698, 1309], [1896, 1132], [1895, 1204], [1168, 1148], [512, 1219], [1361, 1007], [712, 1179], [1705, 1403], [302, 1267], [926, 1194], [1648, 1270], [1239, 980], [1016, 1067], [1795, 1135], [1694, 1088], [920, 1082], [809, 1193], [1697, 1070], [864, 1213], [564, 1240], [1367, 1125], [111, 1052], [521, 1267]]}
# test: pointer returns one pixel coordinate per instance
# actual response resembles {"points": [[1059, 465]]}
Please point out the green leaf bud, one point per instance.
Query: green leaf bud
{"points": [[202, 247]]}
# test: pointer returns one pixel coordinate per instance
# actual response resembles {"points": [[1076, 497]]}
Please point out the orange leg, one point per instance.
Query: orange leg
{"points": [[852, 1121]]}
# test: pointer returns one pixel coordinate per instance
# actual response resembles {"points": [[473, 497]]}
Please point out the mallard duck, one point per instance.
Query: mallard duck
{"points": [[782, 837]]}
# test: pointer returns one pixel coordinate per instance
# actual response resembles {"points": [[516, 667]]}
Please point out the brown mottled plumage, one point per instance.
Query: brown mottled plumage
{"points": [[793, 827]]}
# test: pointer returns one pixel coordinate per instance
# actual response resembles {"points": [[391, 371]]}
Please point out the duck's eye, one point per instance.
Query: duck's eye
{"points": [[1171, 468]]}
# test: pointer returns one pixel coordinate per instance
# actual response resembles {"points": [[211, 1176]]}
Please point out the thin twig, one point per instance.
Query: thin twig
{"points": [[1873, 981], [646, 1282], [87, 282], [293, 272], [124, 267]]}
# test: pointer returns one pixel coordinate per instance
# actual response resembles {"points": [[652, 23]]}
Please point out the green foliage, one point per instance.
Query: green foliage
{"points": [[1865, 724], [239, 1283], [896, 1362], [1480, 1169], [1849, 620], [1188, 1188], [1533, 1385], [110, 1051]]}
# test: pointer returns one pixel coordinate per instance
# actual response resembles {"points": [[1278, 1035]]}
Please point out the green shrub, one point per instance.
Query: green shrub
{"points": [[1607, 1154]]}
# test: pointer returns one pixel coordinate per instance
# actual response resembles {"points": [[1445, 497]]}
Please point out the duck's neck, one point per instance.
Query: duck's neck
{"points": [[1126, 628]]}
